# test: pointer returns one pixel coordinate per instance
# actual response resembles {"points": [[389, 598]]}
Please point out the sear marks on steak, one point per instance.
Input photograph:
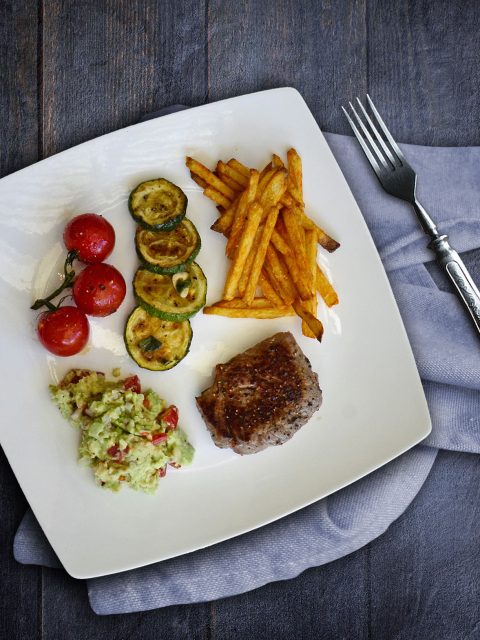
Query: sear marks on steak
{"points": [[261, 397]]}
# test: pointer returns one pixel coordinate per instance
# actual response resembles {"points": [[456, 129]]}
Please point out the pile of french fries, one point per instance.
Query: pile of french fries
{"points": [[271, 241]]}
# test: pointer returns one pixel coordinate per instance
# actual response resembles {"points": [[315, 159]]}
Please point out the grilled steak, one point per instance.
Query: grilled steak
{"points": [[261, 397]]}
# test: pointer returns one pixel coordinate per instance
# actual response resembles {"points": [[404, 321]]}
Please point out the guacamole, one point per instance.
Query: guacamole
{"points": [[127, 436]]}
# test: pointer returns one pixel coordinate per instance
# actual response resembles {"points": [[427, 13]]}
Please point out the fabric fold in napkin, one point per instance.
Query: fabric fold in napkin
{"points": [[446, 348]]}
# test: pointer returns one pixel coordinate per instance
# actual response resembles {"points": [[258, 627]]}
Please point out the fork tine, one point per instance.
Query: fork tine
{"points": [[369, 137], [377, 134], [387, 133], [363, 144]]}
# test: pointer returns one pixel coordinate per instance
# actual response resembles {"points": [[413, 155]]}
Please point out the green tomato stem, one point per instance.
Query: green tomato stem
{"points": [[69, 275]]}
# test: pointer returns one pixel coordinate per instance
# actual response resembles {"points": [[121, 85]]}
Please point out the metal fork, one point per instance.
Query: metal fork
{"points": [[399, 179]]}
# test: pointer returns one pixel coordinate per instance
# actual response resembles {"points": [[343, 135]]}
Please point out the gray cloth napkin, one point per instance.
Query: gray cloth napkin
{"points": [[446, 349]]}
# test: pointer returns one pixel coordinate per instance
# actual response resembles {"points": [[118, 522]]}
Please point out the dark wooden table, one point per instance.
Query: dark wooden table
{"points": [[74, 69]]}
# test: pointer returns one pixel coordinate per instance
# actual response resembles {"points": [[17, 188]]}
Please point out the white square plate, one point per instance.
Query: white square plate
{"points": [[373, 409]]}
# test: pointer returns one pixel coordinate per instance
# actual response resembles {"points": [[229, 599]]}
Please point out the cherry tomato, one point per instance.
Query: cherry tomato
{"points": [[64, 331], [157, 438], [99, 290], [170, 417], [133, 383], [117, 453], [91, 236]]}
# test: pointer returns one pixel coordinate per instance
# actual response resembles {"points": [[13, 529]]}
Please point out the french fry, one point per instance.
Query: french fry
{"points": [[273, 271], [265, 178], [323, 238], [311, 251], [276, 284], [266, 169], [295, 180], [219, 226], [242, 283], [209, 177], [260, 253], [300, 228], [226, 171], [326, 241], [217, 197], [223, 224], [250, 228], [235, 186], [238, 166], [295, 186], [274, 189], [277, 162], [306, 222], [250, 312], [268, 291], [198, 180], [278, 276], [240, 214], [288, 201], [279, 243], [239, 303], [296, 236], [298, 276], [314, 323], [325, 288]]}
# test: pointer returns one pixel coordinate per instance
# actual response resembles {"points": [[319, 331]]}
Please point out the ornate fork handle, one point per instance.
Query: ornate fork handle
{"points": [[399, 180], [458, 274]]}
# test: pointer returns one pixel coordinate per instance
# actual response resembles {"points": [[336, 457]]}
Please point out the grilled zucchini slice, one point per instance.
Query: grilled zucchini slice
{"points": [[156, 344], [168, 251], [157, 205], [171, 297]]}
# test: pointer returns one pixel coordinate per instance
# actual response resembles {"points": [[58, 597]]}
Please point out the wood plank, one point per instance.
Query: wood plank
{"points": [[20, 587], [322, 603], [106, 64], [18, 93], [423, 69], [318, 48], [68, 616], [425, 568]]}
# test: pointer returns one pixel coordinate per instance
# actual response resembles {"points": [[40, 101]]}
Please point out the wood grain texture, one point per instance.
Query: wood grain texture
{"points": [[105, 64], [423, 69], [18, 89], [20, 590], [68, 616], [330, 602], [317, 47], [429, 586], [20, 587]]}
